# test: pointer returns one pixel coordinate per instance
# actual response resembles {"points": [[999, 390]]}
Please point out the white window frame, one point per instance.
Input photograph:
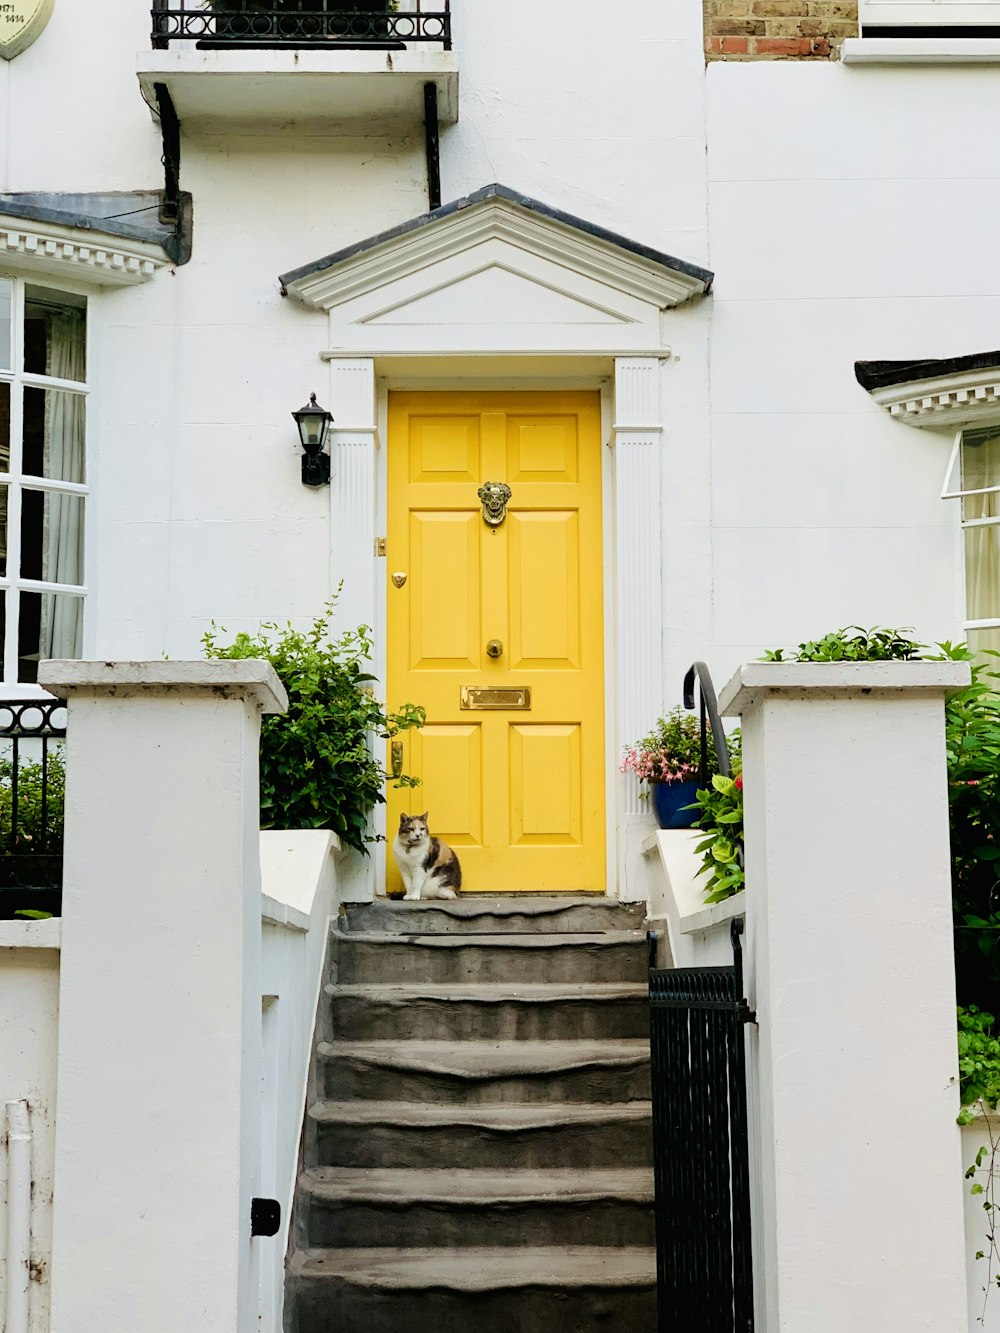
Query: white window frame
{"points": [[12, 584], [918, 14], [949, 491]]}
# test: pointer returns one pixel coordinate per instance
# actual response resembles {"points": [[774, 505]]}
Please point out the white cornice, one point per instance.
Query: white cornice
{"points": [[949, 400], [591, 256], [53, 248]]}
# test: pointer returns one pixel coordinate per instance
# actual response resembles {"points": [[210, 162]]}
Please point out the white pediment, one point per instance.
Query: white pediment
{"points": [[496, 273], [509, 296]]}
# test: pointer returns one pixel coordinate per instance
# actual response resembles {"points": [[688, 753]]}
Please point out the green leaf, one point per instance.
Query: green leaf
{"points": [[321, 763]]}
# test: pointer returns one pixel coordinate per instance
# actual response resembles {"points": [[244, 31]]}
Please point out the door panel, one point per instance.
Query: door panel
{"points": [[545, 785], [444, 600], [544, 590], [444, 448], [542, 448], [450, 762], [519, 792]]}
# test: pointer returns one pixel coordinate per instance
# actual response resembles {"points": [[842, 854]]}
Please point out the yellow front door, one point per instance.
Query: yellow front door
{"points": [[497, 630]]}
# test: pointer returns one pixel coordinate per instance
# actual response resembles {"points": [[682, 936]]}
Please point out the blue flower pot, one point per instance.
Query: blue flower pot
{"points": [[669, 800]]}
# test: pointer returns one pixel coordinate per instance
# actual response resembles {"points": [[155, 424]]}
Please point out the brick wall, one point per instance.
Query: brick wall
{"points": [[778, 29]]}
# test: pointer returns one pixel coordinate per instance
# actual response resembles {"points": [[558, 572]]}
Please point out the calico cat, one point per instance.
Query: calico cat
{"points": [[428, 866]]}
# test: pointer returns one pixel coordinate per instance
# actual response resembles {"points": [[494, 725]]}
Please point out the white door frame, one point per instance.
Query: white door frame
{"points": [[633, 592]]}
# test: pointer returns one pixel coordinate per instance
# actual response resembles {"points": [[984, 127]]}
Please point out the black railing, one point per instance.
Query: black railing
{"points": [[704, 1276], [32, 786], [300, 23], [698, 673]]}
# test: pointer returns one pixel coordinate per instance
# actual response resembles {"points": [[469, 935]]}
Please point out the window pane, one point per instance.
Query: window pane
{"points": [[3, 543], [980, 467], [4, 427], [52, 536], [6, 322], [982, 570], [986, 640], [55, 334], [51, 625], [54, 432]]}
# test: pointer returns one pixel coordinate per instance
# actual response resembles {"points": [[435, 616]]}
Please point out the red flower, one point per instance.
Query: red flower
{"points": [[739, 783]]}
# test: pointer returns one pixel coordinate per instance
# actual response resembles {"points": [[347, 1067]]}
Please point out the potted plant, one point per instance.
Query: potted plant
{"points": [[669, 759]]}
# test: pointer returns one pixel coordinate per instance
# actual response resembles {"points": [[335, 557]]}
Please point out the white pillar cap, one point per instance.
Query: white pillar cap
{"points": [[757, 680], [247, 678]]}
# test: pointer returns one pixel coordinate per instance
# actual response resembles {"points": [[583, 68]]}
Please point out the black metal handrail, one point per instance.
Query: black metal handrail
{"points": [[298, 23], [709, 709], [32, 784]]}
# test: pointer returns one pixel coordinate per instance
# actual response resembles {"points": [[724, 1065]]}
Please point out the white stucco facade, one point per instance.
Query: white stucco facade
{"points": [[831, 201]]}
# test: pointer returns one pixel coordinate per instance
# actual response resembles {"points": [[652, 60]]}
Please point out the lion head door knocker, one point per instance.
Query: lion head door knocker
{"points": [[494, 495]]}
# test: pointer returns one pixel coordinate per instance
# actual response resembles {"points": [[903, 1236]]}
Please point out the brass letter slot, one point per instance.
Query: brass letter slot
{"points": [[490, 697]]}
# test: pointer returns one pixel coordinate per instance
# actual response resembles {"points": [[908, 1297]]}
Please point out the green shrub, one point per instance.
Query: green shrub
{"points": [[721, 819], [32, 834], [851, 644], [317, 769], [972, 743], [978, 1060]]}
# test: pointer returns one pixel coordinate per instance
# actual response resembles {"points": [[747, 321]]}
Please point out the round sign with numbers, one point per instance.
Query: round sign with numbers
{"points": [[20, 23]]}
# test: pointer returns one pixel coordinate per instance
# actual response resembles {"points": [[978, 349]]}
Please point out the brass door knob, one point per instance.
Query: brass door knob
{"points": [[494, 648]]}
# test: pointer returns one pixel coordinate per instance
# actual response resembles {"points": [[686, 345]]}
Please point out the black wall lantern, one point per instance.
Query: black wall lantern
{"points": [[313, 422]]}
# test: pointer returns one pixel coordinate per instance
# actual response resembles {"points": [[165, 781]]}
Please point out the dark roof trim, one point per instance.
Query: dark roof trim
{"points": [[884, 374], [522, 201], [105, 213]]}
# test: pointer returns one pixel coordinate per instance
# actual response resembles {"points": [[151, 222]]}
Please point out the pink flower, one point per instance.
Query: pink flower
{"points": [[739, 783]]}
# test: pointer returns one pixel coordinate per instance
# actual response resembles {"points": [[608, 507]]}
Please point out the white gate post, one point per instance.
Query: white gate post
{"points": [[157, 1145], [857, 1176]]}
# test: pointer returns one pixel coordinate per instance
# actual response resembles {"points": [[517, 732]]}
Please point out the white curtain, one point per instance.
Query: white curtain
{"points": [[981, 467], [65, 427]]}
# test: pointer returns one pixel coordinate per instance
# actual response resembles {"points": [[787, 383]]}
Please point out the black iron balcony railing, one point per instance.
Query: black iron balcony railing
{"points": [[301, 23], [32, 787]]}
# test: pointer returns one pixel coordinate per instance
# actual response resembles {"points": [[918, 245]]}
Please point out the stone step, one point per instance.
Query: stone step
{"points": [[532, 1011], [478, 1073], [512, 1136], [477, 1207], [372, 957], [496, 915], [543, 1290]]}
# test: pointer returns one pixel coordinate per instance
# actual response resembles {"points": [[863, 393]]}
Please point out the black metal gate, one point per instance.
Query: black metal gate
{"points": [[703, 1264]]}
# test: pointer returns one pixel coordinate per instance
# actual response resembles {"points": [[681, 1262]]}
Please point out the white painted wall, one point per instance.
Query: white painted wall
{"points": [[158, 1151], [198, 504], [850, 968], [842, 228], [299, 885], [299, 882], [832, 205], [29, 1005]]}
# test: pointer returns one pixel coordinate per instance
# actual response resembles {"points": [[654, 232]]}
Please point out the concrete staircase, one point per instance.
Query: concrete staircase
{"points": [[478, 1147]]}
